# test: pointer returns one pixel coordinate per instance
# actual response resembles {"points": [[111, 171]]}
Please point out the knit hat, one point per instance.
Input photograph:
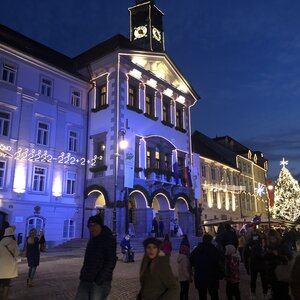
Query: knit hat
{"points": [[229, 250], [9, 231], [95, 219], [152, 240]]}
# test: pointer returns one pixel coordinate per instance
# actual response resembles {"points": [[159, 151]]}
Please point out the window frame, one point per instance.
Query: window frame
{"points": [[4, 174], [5, 120], [77, 98], [73, 139], [43, 130], [12, 68], [73, 182], [42, 84], [39, 176], [68, 225]]}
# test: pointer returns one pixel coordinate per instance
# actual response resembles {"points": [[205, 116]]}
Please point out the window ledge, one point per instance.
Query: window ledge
{"points": [[152, 117], [167, 123], [98, 169], [181, 129], [133, 108], [100, 108]]}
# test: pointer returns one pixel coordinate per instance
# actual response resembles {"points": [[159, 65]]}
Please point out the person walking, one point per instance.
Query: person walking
{"points": [[155, 226], [161, 228], [8, 260], [33, 255], [156, 276], [205, 259], [127, 249], [232, 273], [167, 246], [242, 244], [42, 241], [185, 274], [99, 262], [255, 263]]}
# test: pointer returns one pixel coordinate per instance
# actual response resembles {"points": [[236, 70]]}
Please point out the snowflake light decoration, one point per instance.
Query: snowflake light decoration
{"points": [[260, 190], [284, 162]]}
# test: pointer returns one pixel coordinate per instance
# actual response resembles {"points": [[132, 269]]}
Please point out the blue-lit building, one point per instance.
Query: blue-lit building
{"points": [[61, 123]]}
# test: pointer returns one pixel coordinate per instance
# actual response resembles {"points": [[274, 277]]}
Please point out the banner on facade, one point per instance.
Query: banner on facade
{"points": [[196, 177], [129, 167]]}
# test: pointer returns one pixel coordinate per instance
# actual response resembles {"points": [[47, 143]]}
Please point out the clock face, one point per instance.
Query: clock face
{"points": [[156, 34], [140, 32]]}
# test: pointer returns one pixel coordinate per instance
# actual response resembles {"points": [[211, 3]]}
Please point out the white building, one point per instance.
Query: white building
{"points": [[61, 121]]}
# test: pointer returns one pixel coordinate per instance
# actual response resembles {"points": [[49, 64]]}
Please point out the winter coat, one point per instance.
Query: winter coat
{"points": [[232, 268], [157, 280], [167, 247], [8, 263], [205, 259], [33, 253], [295, 279], [184, 268], [125, 244], [229, 237], [100, 258]]}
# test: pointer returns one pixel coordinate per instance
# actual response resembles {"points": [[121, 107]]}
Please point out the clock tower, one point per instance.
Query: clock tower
{"points": [[146, 26]]}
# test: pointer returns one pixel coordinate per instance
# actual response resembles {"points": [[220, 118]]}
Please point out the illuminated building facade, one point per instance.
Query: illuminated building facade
{"points": [[63, 119]]}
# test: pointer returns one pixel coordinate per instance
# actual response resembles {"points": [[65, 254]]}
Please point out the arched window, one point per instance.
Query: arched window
{"points": [[35, 222]]}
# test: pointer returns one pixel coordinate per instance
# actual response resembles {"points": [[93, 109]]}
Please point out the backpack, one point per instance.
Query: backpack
{"points": [[256, 247]]}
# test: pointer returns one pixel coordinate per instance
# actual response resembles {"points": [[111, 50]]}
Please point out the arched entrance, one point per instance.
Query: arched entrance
{"points": [[183, 216], [95, 203], [162, 210], [138, 214]]}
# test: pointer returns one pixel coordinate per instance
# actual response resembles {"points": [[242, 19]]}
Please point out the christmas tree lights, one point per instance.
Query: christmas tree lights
{"points": [[286, 196]]}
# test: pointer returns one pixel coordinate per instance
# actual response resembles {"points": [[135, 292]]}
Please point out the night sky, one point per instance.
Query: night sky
{"points": [[241, 56]]}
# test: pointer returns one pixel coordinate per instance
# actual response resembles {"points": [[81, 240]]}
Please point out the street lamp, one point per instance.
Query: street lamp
{"points": [[122, 145]]}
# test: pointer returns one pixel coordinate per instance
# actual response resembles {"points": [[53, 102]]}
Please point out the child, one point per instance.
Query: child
{"points": [[184, 271], [232, 269]]}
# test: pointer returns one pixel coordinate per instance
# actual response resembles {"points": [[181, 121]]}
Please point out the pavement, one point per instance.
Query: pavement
{"points": [[57, 279]]}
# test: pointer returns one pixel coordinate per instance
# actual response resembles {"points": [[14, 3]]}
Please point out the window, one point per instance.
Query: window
{"points": [[42, 134], [215, 200], [213, 174], [69, 229], [73, 141], [167, 111], [4, 123], [204, 195], [203, 170], [39, 179], [70, 183], [37, 223], [149, 105], [76, 98], [9, 73], [101, 153], [132, 97], [181, 165], [179, 117], [157, 159], [168, 158], [102, 95], [2, 174], [46, 87], [148, 158]]}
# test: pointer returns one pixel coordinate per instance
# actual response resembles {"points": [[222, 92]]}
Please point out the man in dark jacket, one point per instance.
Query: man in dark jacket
{"points": [[99, 262], [205, 259]]}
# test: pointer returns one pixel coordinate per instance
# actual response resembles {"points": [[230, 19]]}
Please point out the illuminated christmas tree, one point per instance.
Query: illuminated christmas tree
{"points": [[286, 196]]}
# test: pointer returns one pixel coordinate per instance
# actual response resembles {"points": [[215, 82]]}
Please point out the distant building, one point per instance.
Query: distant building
{"points": [[61, 123], [254, 168]]}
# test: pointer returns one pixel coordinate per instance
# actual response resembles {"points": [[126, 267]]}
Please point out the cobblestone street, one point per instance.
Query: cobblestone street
{"points": [[57, 278]]}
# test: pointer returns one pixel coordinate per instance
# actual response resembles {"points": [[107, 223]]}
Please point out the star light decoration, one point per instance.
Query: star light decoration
{"points": [[284, 162], [260, 190]]}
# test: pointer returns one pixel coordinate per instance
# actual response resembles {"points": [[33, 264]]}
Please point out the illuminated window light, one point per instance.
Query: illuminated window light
{"points": [[152, 83], [135, 73], [20, 179], [180, 99], [139, 61], [168, 92], [57, 186]]}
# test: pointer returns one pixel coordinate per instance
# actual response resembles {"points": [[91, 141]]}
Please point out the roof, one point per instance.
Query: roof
{"points": [[208, 148]]}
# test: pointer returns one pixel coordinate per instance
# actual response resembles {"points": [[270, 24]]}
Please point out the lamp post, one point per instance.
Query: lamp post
{"points": [[122, 144]]}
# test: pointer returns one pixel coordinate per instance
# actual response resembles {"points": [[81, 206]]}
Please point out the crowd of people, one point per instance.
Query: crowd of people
{"points": [[269, 254]]}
